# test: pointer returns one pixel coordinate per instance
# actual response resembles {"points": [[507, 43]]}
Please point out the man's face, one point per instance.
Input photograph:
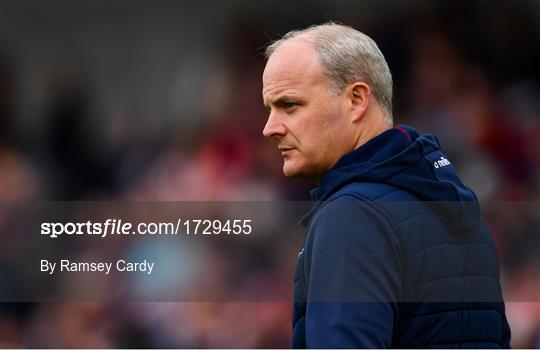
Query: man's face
{"points": [[310, 123]]}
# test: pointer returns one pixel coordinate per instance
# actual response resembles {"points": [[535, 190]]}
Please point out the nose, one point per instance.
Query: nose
{"points": [[274, 128]]}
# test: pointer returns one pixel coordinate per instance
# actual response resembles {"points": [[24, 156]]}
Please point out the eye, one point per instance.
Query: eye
{"points": [[289, 105]]}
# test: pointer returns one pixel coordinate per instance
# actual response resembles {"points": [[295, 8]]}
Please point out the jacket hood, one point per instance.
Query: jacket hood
{"points": [[415, 163]]}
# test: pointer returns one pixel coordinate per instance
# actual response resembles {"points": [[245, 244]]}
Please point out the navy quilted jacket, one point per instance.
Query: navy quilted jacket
{"points": [[396, 254]]}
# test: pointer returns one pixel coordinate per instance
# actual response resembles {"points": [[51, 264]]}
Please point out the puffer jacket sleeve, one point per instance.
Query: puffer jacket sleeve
{"points": [[353, 277]]}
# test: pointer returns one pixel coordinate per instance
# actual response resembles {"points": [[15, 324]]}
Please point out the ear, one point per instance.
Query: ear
{"points": [[360, 95]]}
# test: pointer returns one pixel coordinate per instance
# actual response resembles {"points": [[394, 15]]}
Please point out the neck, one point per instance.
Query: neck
{"points": [[372, 125]]}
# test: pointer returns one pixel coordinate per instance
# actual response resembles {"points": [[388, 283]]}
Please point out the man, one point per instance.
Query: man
{"points": [[396, 253]]}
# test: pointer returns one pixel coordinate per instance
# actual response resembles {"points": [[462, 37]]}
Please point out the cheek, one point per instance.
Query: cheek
{"points": [[314, 146], [311, 136], [333, 135], [329, 124], [318, 129]]}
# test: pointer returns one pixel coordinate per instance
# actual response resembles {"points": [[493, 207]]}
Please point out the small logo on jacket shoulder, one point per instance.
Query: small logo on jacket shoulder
{"points": [[443, 162], [301, 252]]}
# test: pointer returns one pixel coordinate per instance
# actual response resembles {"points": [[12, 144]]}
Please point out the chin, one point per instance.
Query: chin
{"points": [[289, 173], [302, 171], [291, 170]]}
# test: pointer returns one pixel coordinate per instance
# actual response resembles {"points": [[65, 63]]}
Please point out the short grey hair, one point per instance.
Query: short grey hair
{"points": [[348, 56]]}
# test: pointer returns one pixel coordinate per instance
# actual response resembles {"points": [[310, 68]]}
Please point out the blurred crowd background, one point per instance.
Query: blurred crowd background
{"points": [[161, 101]]}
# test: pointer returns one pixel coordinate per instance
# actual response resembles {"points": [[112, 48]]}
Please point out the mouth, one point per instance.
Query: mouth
{"points": [[285, 150]]}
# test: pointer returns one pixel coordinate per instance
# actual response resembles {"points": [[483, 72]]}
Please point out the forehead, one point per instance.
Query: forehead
{"points": [[294, 65]]}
